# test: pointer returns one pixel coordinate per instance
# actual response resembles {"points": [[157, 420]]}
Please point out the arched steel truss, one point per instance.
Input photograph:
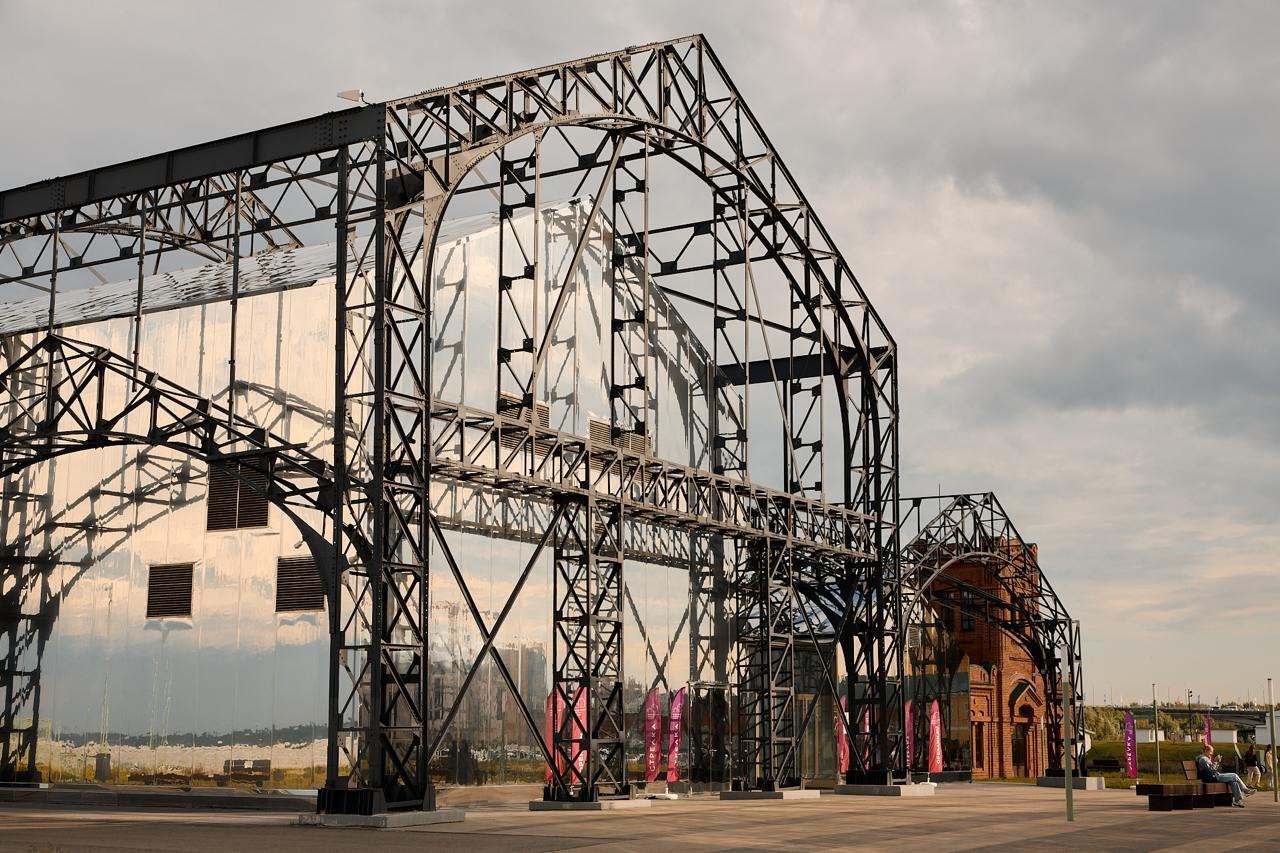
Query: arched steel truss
{"points": [[60, 396], [381, 177], [975, 530]]}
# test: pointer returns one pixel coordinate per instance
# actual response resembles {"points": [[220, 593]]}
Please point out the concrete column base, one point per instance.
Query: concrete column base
{"points": [[920, 789], [771, 795], [386, 820], [597, 806], [1078, 783]]}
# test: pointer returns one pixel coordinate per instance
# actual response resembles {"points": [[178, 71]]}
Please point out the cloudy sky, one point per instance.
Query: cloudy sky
{"points": [[1067, 214]]}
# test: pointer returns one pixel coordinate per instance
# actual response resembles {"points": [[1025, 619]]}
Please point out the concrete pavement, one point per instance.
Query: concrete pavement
{"points": [[980, 816]]}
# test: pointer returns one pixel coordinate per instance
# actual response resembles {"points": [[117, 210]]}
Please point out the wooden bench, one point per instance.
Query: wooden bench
{"points": [[1213, 793], [1111, 765], [1187, 795]]}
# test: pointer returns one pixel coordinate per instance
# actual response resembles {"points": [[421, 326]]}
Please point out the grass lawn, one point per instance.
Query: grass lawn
{"points": [[1171, 757]]}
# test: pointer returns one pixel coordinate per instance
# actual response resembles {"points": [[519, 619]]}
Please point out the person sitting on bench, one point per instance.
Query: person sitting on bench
{"points": [[1208, 772]]}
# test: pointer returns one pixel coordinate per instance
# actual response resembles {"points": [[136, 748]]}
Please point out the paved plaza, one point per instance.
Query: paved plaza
{"points": [[986, 816]]}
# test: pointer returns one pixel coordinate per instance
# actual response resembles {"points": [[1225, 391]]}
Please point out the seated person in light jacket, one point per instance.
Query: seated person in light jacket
{"points": [[1207, 772]]}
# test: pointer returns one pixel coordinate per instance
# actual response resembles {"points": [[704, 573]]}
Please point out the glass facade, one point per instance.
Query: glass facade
{"points": [[236, 692], [937, 668]]}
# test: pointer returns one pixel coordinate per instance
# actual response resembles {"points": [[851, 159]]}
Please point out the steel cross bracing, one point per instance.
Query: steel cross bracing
{"points": [[141, 489], [974, 529], [34, 589], [766, 634], [379, 175], [59, 396]]}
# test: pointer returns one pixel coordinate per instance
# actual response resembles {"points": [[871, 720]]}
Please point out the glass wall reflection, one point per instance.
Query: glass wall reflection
{"points": [[235, 692]]}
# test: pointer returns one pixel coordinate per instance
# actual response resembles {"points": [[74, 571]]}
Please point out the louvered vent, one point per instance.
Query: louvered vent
{"points": [[298, 585], [599, 432], [509, 405], [222, 500], [634, 443], [169, 590], [915, 638], [237, 496]]}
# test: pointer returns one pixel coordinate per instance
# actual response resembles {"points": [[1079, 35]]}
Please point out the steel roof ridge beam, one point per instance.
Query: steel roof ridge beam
{"points": [[243, 151]]}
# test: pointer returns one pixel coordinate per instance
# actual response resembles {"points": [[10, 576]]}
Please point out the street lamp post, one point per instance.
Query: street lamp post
{"points": [[1155, 729], [1068, 728], [1191, 723], [1275, 757]]}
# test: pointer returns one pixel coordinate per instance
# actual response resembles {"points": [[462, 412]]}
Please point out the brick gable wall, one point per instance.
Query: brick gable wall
{"points": [[999, 670]]}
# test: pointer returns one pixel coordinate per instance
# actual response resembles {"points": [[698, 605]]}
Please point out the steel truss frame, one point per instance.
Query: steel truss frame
{"points": [[33, 594], [381, 177], [974, 529]]}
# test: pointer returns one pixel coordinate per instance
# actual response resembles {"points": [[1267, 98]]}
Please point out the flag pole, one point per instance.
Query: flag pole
{"points": [[1155, 729], [1275, 759], [1068, 736]]}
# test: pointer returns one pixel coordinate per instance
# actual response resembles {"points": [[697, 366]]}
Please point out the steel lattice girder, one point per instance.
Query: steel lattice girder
{"points": [[58, 396], [974, 529], [61, 395], [766, 634], [383, 172]]}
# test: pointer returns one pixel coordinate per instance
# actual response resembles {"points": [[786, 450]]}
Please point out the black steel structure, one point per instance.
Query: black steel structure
{"points": [[975, 530], [788, 327]]}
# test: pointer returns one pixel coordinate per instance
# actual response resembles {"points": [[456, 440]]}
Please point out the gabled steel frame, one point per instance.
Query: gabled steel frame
{"points": [[378, 176], [975, 530]]}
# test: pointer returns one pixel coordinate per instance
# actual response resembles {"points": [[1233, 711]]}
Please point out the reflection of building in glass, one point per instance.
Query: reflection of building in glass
{"points": [[242, 677], [938, 669]]}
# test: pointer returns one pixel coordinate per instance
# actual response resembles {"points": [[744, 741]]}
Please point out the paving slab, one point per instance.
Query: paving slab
{"points": [[770, 795], [920, 789], [986, 816], [597, 806], [387, 820]]}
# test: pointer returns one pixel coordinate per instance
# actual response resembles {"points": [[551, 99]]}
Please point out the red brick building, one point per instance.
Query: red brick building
{"points": [[1006, 693]]}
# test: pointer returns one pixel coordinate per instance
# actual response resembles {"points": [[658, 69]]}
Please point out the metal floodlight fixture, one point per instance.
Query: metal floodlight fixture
{"points": [[353, 95]]}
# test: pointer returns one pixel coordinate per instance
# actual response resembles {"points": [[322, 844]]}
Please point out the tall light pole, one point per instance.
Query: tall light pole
{"points": [[1275, 759], [1068, 730], [1155, 729]]}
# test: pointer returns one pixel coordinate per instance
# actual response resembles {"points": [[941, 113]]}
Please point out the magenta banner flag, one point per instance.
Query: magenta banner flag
{"points": [[842, 735], [673, 748], [1208, 729], [935, 738], [579, 730], [548, 730], [554, 719], [911, 737], [864, 729], [1130, 746], [652, 735]]}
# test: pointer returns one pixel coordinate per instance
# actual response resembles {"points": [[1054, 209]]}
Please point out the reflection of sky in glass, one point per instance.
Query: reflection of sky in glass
{"points": [[238, 681], [573, 380]]}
